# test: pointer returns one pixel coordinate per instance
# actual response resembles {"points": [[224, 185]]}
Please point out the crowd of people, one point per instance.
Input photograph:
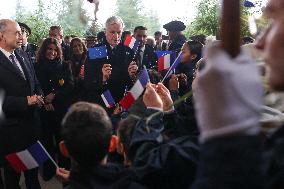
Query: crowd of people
{"points": [[168, 138]]}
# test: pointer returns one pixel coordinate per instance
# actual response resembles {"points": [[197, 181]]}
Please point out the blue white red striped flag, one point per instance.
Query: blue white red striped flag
{"points": [[107, 98], [162, 53], [97, 52], [136, 90], [173, 66], [29, 158], [165, 59], [131, 42]]}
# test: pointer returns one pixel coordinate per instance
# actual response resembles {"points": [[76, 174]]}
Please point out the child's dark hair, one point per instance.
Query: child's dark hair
{"points": [[195, 47], [86, 131], [125, 131]]}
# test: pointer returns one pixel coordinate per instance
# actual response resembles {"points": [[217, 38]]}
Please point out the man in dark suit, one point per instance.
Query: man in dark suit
{"points": [[145, 55], [114, 72], [160, 44], [20, 128], [27, 47]]}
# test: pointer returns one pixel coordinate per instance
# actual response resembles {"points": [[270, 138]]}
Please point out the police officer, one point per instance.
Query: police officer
{"points": [[29, 48]]}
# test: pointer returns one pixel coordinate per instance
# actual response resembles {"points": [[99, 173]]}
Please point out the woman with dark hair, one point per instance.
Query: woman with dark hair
{"points": [[57, 83], [78, 56]]}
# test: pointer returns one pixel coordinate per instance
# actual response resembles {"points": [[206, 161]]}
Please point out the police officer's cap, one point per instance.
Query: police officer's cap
{"points": [[25, 27], [174, 26]]}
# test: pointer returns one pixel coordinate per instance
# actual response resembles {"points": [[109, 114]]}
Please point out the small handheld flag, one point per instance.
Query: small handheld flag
{"points": [[108, 100], [248, 4], [131, 42], [136, 90], [173, 66], [30, 158], [165, 58], [162, 53], [97, 52]]}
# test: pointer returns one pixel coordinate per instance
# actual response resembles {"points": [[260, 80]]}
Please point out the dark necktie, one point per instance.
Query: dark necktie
{"points": [[24, 48], [13, 60], [139, 58]]}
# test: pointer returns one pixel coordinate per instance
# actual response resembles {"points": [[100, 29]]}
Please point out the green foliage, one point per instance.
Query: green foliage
{"points": [[130, 12], [38, 21], [69, 14], [151, 21], [207, 19], [94, 29], [72, 17]]}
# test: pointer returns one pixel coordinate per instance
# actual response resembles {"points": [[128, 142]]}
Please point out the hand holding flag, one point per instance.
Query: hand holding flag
{"points": [[108, 100], [136, 90]]}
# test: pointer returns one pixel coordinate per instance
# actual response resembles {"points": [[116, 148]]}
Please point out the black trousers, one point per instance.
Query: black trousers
{"points": [[12, 178], [1, 182]]}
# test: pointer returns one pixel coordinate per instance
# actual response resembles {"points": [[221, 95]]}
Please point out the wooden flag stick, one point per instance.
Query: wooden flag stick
{"points": [[230, 27]]}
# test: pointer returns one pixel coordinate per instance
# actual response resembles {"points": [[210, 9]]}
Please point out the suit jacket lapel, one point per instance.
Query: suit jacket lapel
{"points": [[5, 62], [25, 66]]}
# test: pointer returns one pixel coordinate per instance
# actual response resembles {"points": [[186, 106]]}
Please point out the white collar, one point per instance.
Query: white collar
{"points": [[142, 48], [6, 53]]}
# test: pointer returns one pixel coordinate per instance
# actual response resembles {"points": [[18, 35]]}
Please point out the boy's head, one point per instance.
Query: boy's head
{"points": [[87, 133], [192, 51], [124, 133]]}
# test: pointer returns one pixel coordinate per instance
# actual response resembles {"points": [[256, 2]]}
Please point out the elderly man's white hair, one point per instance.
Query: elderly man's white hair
{"points": [[114, 20]]}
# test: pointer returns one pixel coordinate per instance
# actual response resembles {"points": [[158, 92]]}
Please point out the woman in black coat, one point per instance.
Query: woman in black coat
{"points": [[78, 56], [57, 83]]}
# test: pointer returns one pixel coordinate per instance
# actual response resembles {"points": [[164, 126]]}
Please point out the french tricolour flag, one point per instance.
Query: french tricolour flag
{"points": [[174, 65], [164, 61], [107, 98], [27, 159], [136, 90], [131, 42]]}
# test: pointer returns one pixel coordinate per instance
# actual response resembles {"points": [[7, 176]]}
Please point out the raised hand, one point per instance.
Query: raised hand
{"points": [[165, 96], [132, 69], [151, 98], [173, 83], [106, 69]]}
